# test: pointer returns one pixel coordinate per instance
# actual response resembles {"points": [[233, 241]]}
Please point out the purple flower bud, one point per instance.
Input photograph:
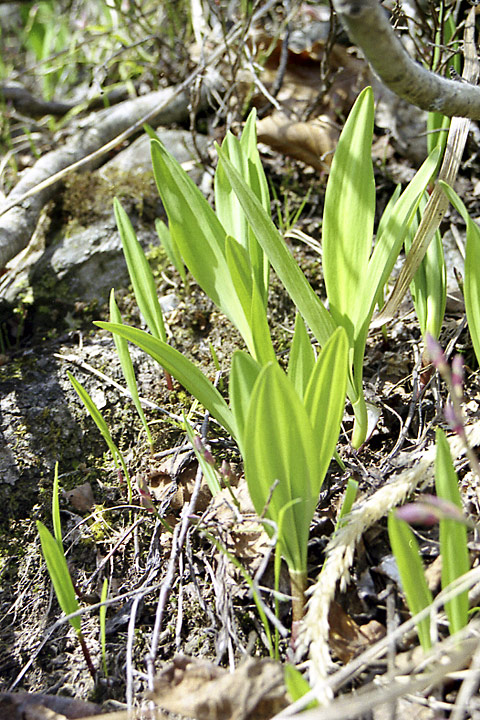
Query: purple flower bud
{"points": [[457, 375], [225, 469], [209, 457], [417, 514], [452, 418], [198, 444], [436, 354]]}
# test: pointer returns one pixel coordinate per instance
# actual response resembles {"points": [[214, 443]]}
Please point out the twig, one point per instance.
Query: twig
{"points": [[368, 27]]}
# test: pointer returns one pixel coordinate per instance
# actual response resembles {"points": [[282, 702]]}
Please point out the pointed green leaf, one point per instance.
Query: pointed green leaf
{"points": [[302, 357], [412, 573], [59, 574], [140, 274], [453, 534], [182, 369], [57, 525], [349, 212], [325, 400]]}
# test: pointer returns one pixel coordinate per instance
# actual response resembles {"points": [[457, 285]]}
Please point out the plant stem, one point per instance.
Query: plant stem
{"points": [[298, 587], [361, 422], [86, 655]]}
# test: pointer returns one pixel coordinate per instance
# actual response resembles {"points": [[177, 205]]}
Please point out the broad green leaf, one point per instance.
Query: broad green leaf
{"points": [[281, 461], [453, 534], [182, 369], [59, 574], [302, 358], [198, 234], [103, 427], [325, 401], [348, 216], [471, 288], [140, 274], [412, 573], [171, 249], [243, 374], [127, 366], [310, 307]]}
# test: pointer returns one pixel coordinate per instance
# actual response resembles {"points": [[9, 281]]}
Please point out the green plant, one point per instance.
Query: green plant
{"points": [[277, 419], [446, 509], [429, 284], [354, 274], [53, 552], [471, 287]]}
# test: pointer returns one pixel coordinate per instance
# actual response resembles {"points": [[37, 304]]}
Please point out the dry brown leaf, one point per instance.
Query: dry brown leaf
{"points": [[81, 497], [347, 639], [22, 705], [312, 142], [199, 689]]}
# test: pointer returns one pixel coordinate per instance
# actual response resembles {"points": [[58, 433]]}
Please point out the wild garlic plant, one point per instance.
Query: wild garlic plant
{"points": [[285, 424]]}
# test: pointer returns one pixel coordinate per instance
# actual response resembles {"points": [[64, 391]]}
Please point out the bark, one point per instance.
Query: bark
{"points": [[20, 212], [368, 27]]}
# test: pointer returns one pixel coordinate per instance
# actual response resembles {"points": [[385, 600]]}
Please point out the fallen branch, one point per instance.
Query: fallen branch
{"points": [[87, 148], [368, 27]]}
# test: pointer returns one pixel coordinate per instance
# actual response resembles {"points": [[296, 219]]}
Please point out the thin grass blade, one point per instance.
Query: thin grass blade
{"points": [[127, 366]]}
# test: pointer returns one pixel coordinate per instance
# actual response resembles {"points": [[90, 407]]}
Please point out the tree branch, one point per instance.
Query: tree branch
{"points": [[369, 28]]}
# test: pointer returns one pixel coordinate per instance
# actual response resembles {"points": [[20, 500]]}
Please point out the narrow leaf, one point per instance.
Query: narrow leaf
{"points": [[302, 357], [140, 274], [59, 574], [472, 264], [325, 400], [453, 534], [412, 573], [127, 366], [198, 234], [182, 369]]}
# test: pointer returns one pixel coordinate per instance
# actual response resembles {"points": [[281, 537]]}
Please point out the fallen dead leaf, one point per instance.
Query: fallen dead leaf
{"points": [[199, 689], [347, 638], [81, 497]]}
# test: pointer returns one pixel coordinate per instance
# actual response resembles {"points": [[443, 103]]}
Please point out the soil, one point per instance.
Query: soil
{"points": [[179, 576]]}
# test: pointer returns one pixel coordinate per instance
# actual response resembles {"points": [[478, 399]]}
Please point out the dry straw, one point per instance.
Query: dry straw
{"points": [[340, 553]]}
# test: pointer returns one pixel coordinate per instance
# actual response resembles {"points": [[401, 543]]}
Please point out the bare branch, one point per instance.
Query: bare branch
{"points": [[368, 27]]}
